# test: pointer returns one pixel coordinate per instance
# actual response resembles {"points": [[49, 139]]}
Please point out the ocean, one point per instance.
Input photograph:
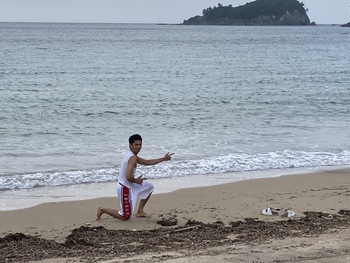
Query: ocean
{"points": [[232, 102]]}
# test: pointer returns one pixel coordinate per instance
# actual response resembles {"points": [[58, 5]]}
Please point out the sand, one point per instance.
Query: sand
{"points": [[209, 211]]}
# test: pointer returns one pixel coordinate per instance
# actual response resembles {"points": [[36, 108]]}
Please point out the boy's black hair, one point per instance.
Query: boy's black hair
{"points": [[134, 138]]}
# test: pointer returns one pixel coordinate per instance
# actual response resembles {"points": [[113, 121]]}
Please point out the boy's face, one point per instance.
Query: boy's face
{"points": [[136, 146]]}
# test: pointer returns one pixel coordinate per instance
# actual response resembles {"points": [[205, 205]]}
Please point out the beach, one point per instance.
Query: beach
{"points": [[247, 130], [187, 211]]}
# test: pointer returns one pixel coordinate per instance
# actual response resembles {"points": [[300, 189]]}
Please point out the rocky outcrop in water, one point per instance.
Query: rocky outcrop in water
{"points": [[260, 12]]}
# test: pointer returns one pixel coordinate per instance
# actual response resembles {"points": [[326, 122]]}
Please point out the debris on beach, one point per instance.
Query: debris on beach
{"points": [[93, 244]]}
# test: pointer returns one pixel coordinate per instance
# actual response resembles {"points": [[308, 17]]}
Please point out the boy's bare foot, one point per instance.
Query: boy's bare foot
{"points": [[142, 214], [98, 213]]}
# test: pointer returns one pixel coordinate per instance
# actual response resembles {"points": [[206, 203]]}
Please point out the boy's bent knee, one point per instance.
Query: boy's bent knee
{"points": [[126, 216]]}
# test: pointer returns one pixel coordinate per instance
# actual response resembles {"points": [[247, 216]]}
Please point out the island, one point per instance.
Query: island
{"points": [[346, 25], [259, 12]]}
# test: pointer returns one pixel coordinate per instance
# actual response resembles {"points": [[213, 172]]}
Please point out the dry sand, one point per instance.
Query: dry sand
{"points": [[213, 212]]}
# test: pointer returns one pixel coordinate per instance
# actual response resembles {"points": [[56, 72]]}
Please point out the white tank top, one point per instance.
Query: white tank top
{"points": [[122, 171]]}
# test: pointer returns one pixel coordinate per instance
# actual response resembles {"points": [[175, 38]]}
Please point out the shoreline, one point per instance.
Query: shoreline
{"points": [[249, 197], [12, 200], [326, 192]]}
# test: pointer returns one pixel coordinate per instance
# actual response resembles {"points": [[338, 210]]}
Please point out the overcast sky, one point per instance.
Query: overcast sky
{"points": [[145, 11]]}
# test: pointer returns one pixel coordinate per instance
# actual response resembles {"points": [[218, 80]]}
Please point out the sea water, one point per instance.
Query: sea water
{"points": [[231, 102]]}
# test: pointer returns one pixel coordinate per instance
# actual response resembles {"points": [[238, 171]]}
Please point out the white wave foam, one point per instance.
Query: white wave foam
{"points": [[238, 162]]}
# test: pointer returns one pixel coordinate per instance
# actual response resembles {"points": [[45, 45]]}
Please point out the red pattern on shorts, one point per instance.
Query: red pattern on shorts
{"points": [[126, 202]]}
